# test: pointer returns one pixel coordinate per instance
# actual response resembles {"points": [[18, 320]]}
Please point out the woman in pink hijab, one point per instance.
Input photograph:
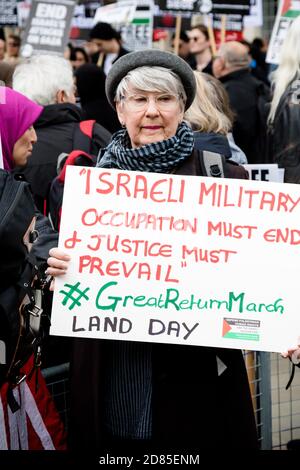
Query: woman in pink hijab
{"points": [[34, 424], [17, 116]]}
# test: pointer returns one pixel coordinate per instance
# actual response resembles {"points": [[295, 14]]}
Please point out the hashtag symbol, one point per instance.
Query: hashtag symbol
{"points": [[74, 294]]}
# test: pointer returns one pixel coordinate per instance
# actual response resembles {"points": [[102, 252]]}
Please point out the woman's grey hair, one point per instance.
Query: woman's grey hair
{"points": [[42, 76], [151, 79]]}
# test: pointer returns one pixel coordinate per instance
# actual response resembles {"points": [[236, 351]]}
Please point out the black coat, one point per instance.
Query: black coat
{"points": [[242, 89], [55, 130], [212, 142], [285, 135], [191, 405], [90, 81]]}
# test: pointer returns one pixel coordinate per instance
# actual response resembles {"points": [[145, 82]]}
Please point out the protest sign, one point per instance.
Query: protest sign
{"points": [[115, 13], [237, 7], [265, 172], [179, 259], [204, 7], [288, 10], [137, 34], [255, 17], [24, 8], [8, 13], [48, 27], [83, 21]]}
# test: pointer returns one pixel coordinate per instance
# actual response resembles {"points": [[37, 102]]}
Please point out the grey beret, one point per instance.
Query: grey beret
{"points": [[150, 57]]}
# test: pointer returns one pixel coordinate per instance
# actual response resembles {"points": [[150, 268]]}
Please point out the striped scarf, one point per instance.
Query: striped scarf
{"points": [[158, 157]]}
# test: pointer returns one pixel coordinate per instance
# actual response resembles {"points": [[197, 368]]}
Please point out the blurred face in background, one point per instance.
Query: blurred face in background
{"points": [[198, 41], [80, 60], [106, 45], [90, 48], [23, 147], [12, 47]]}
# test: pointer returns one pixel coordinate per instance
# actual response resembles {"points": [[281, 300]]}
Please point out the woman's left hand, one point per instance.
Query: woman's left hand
{"points": [[293, 353], [57, 262]]}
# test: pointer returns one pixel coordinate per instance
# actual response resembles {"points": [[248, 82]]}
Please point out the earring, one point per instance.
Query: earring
{"points": [[123, 125]]}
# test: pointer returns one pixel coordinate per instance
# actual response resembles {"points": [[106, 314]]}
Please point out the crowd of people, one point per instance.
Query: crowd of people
{"points": [[152, 110]]}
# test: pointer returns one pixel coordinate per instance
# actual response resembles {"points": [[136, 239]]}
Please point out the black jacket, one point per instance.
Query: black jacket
{"points": [[90, 81], [243, 90], [284, 137], [212, 142], [55, 131]]}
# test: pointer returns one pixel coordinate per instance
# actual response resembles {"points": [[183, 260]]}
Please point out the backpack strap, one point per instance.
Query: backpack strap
{"points": [[211, 163], [71, 160], [82, 137]]}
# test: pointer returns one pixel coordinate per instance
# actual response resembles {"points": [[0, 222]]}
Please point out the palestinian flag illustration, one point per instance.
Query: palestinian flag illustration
{"points": [[290, 9], [240, 328]]}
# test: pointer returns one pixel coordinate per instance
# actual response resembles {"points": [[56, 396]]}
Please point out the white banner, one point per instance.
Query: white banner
{"points": [[179, 259]]}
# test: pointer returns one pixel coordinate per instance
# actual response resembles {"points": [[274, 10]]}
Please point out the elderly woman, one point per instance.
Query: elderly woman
{"points": [[160, 394]]}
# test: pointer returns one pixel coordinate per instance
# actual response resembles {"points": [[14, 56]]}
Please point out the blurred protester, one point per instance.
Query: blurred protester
{"points": [[92, 51], [13, 45], [78, 57], [48, 80], [258, 66], [247, 96], [284, 117], [90, 82], [211, 118], [28, 417], [109, 44], [184, 49], [201, 49]]}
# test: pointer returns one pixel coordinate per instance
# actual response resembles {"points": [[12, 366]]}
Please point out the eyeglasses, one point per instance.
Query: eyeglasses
{"points": [[163, 102]]}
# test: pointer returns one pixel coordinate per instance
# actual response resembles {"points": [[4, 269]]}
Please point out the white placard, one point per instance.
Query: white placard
{"points": [[255, 18], [265, 172], [48, 26], [179, 259], [287, 12], [120, 12]]}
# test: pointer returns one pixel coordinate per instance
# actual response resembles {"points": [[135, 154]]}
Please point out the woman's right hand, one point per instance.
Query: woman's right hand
{"points": [[57, 262]]}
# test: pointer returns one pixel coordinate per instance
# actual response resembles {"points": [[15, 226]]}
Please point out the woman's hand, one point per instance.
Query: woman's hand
{"points": [[293, 353], [57, 263]]}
